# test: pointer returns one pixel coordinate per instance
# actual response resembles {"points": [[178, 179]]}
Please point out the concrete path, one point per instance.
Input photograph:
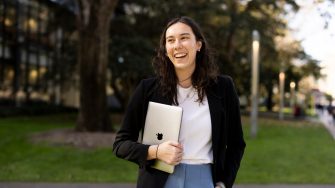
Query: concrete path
{"points": [[64, 185], [328, 121], [104, 185]]}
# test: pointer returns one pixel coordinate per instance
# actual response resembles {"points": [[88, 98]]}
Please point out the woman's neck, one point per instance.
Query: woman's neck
{"points": [[184, 79], [185, 83]]}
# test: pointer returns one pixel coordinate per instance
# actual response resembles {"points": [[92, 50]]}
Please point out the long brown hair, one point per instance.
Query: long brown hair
{"points": [[205, 71]]}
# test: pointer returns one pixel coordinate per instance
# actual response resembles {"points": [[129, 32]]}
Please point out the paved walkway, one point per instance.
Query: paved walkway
{"points": [[328, 121], [104, 185]]}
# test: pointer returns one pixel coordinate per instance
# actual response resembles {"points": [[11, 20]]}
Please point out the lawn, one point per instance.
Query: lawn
{"points": [[288, 152], [20, 160], [283, 152]]}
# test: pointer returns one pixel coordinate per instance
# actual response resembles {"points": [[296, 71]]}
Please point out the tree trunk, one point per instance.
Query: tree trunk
{"points": [[269, 102], [93, 26], [118, 95]]}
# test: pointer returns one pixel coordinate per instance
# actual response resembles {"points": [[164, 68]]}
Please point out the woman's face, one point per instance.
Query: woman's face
{"points": [[181, 46]]}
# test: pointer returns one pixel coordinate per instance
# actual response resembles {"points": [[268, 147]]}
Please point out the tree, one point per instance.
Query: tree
{"points": [[93, 19], [228, 26], [329, 98]]}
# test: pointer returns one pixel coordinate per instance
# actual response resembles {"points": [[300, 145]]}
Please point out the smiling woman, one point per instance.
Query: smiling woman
{"points": [[184, 58], [181, 47], [211, 144]]}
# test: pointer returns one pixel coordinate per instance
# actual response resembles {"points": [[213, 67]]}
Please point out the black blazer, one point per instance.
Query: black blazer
{"points": [[227, 136]]}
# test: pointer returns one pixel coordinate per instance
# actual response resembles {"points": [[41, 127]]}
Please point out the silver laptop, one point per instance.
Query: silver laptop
{"points": [[162, 123]]}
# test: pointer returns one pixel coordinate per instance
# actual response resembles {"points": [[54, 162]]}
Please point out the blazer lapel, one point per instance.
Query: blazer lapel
{"points": [[155, 96], [216, 112], [160, 99]]}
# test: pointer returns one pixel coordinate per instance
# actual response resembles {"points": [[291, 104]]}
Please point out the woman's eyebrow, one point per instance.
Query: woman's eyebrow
{"points": [[182, 34], [185, 34]]}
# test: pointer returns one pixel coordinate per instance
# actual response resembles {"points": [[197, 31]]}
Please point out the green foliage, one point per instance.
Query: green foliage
{"points": [[329, 98], [136, 27], [228, 26]]}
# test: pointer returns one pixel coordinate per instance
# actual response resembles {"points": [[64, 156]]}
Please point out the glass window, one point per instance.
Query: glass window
{"points": [[6, 52], [43, 17], [33, 75], [2, 10], [1, 44], [32, 58], [33, 20], [23, 17], [9, 20], [43, 59], [9, 76], [1, 55]]}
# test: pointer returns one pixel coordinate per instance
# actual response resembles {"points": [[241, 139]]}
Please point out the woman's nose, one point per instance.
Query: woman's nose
{"points": [[177, 44]]}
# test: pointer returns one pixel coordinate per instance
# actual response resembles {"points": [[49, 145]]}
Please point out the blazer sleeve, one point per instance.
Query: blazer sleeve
{"points": [[126, 143], [235, 141]]}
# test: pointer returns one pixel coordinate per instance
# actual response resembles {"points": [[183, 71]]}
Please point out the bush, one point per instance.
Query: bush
{"points": [[31, 108]]}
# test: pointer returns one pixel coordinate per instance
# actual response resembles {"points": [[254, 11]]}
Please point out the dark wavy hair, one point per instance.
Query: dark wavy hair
{"points": [[205, 71]]}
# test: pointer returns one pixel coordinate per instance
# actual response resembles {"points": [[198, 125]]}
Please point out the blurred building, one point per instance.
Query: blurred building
{"points": [[37, 53]]}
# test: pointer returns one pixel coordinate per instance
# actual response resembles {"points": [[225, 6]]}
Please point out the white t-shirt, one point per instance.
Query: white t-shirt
{"points": [[196, 130]]}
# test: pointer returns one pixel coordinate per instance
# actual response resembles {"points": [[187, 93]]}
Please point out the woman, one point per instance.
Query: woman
{"points": [[211, 143]]}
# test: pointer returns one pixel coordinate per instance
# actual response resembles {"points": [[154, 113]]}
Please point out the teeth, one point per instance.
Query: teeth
{"points": [[180, 55]]}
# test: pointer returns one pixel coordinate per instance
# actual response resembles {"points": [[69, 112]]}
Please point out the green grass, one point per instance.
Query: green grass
{"points": [[20, 160], [283, 152], [288, 152]]}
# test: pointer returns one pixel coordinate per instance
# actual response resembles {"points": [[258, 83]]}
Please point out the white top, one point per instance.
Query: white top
{"points": [[195, 132]]}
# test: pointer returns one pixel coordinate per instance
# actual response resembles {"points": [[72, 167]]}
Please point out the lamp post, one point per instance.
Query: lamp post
{"points": [[254, 83], [292, 86], [281, 92]]}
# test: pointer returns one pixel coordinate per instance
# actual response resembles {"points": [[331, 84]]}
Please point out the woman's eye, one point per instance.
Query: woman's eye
{"points": [[170, 40]]}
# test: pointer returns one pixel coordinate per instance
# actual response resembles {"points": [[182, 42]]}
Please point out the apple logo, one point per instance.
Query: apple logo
{"points": [[159, 136]]}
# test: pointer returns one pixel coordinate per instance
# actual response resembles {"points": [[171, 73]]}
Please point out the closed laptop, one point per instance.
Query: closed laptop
{"points": [[162, 124]]}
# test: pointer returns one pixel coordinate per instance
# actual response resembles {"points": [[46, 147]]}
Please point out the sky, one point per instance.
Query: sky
{"points": [[318, 42]]}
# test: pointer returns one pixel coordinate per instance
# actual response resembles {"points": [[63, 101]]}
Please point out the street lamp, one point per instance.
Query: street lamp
{"points": [[120, 59], [292, 86], [254, 83], [281, 92]]}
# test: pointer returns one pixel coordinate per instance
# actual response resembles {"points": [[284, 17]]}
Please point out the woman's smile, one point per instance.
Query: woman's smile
{"points": [[180, 55], [181, 46]]}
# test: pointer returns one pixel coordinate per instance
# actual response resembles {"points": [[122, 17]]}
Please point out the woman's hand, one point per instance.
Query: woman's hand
{"points": [[220, 185], [170, 152]]}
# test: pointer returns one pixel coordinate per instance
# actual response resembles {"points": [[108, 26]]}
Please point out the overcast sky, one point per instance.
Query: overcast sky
{"points": [[317, 41]]}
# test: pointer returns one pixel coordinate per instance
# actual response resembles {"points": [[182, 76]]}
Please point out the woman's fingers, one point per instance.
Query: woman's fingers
{"points": [[175, 144], [171, 152]]}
